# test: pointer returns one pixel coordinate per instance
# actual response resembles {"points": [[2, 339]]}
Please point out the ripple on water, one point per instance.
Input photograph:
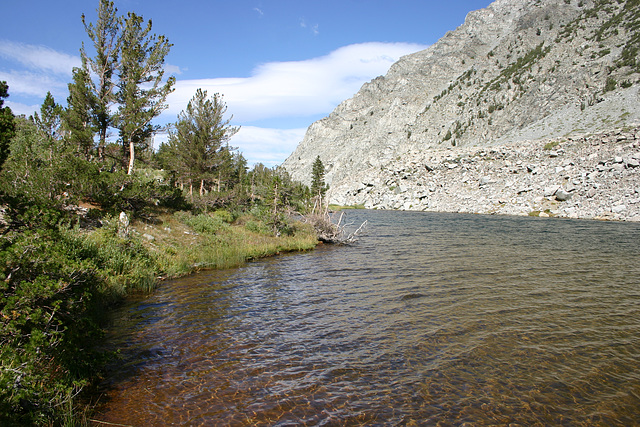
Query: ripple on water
{"points": [[430, 318]]}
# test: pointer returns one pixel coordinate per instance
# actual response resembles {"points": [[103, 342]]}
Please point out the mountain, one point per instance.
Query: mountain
{"points": [[514, 73]]}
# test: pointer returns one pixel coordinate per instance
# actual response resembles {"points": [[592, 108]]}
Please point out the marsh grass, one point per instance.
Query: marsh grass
{"points": [[184, 243]]}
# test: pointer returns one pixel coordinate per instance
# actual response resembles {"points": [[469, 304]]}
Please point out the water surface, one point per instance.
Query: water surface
{"points": [[429, 319]]}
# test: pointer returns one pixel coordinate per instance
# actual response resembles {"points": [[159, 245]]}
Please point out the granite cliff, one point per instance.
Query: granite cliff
{"points": [[513, 78]]}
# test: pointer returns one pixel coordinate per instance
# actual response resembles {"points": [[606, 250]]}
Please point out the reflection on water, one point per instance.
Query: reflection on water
{"points": [[431, 319]]}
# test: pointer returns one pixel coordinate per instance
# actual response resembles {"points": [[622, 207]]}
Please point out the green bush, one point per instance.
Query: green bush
{"points": [[203, 223], [117, 192], [49, 316]]}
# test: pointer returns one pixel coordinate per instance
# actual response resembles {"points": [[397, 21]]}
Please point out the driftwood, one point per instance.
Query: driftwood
{"points": [[329, 231]]}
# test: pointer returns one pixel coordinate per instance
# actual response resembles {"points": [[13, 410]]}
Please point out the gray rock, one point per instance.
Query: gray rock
{"points": [[618, 209], [562, 195], [551, 191]]}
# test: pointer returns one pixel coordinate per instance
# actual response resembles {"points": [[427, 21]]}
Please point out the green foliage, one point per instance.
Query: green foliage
{"points": [[610, 84], [516, 69], [49, 119], [318, 186], [49, 314], [44, 170], [141, 90], [77, 120], [198, 148], [204, 223], [117, 192], [551, 145], [7, 126]]}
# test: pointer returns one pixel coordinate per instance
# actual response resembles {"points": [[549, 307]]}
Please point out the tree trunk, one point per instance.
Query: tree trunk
{"points": [[132, 156]]}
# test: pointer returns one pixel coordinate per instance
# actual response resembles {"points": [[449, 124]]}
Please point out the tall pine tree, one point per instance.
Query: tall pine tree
{"points": [[7, 125], [141, 91], [199, 141], [77, 119], [105, 35]]}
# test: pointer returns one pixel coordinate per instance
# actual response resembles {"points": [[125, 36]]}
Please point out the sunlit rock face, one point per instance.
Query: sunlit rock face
{"points": [[513, 74]]}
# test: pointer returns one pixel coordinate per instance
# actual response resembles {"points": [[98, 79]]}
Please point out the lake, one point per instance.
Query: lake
{"points": [[428, 319]]}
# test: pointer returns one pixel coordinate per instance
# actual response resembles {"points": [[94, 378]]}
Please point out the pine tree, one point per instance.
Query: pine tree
{"points": [[49, 119], [199, 141], [7, 125], [105, 35], [48, 125], [77, 118], [141, 91], [318, 187]]}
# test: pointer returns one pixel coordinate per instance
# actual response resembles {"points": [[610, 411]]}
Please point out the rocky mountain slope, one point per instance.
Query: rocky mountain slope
{"points": [[513, 74]]}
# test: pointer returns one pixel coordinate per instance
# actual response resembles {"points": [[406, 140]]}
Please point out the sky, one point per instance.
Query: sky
{"points": [[280, 65]]}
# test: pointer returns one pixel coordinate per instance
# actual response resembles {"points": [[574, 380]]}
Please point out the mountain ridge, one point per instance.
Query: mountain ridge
{"points": [[513, 72]]}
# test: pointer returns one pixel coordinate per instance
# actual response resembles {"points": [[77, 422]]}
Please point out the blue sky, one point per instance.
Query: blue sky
{"points": [[280, 64]]}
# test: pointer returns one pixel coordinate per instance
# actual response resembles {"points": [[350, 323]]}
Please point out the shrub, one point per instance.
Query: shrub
{"points": [[610, 84], [48, 323], [204, 223]]}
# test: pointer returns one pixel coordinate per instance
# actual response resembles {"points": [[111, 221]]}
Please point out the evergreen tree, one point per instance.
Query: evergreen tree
{"points": [[49, 119], [77, 118], [199, 141], [141, 91], [7, 125], [47, 124], [318, 187], [105, 35]]}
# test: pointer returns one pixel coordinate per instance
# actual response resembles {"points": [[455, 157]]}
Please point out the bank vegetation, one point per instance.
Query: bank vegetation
{"points": [[91, 213]]}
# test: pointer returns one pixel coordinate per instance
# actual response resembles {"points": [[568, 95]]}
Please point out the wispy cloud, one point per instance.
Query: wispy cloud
{"points": [[260, 12], [296, 88], [37, 57], [267, 146], [285, 90], [172, 69], [34, 84], [315, 28], [33, 70]]}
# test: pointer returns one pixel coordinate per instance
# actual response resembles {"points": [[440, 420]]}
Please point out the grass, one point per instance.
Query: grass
{"points": [[341, 208], [181, 246], [551, 145]]}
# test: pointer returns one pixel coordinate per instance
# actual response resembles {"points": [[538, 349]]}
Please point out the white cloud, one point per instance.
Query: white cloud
{"points": [[172, 70], [18, 108], [315, 29], [27, 83], [296, 88], [267, 146], [40, 58], [32, 70]]}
